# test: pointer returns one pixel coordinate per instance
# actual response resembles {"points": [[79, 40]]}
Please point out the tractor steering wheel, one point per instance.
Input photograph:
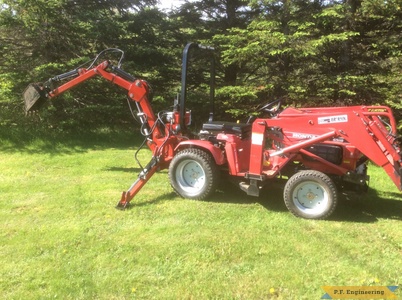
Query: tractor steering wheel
{"points": [[272, 108]]}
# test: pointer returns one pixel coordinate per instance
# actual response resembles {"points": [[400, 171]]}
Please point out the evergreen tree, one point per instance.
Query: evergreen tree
{"points": [[312, 52]]}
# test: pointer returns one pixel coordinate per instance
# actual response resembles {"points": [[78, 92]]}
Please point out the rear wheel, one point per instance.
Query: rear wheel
{"points": [[310, 195], [193, 174]]}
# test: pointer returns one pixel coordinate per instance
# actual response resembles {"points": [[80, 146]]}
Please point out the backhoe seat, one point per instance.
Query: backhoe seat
{"points": [[243, 130]]}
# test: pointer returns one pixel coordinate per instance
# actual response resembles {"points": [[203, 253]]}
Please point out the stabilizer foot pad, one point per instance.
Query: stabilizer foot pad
{"points": [[120, 206]]}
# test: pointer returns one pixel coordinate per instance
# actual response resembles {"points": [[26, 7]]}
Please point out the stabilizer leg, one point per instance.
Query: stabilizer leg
{"points": [[142, 179]]}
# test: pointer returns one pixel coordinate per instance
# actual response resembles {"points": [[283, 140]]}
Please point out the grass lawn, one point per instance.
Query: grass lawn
{"points": [[62, 238]]}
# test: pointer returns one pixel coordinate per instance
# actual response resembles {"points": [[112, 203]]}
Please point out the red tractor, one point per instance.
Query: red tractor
{"points": [[318, 150]]}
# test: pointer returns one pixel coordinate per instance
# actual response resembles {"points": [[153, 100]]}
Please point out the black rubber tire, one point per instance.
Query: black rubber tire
{"points": [[193, 174], [310, 195]]}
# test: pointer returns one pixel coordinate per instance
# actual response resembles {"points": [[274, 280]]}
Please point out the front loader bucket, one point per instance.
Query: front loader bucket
{"points": [[395, 173], [34, 97], [398, 179]]}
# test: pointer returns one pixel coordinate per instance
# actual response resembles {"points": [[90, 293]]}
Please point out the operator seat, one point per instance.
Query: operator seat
{"points": [[242, 130]]}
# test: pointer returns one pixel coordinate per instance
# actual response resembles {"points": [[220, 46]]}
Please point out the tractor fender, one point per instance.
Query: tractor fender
{"points": [[215, 151]]}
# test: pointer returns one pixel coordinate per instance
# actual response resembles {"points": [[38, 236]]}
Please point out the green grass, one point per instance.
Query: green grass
{"points": [[62, 238]]}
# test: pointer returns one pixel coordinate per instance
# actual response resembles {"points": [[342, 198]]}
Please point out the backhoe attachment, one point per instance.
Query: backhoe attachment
{"points": [[162, 131], [142, 179]]}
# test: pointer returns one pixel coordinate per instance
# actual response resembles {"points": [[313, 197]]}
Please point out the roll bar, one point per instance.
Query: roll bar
{"points": [[188, 49]]}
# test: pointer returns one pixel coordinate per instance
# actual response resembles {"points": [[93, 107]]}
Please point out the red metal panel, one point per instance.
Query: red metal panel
{"points": [[257, 146]]}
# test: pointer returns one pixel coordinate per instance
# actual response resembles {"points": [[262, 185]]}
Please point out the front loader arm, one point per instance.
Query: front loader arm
{"points": [[380, 145], [370, 129]]}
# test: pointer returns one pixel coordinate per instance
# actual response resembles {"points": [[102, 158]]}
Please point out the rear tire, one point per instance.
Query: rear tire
{"points": [[310, 195], [193, 174]]}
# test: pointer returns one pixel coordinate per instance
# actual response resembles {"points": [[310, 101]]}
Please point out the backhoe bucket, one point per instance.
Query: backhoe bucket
{"points": [[34, 97]]}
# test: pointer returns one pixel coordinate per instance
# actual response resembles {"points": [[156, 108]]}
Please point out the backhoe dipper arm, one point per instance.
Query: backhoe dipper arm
{"points": [[137, 89]]}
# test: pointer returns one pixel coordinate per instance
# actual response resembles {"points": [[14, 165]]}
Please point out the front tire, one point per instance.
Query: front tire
{"points": [[193, 174], [310, 195]]}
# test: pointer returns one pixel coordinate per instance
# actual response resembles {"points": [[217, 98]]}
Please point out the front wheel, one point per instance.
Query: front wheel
{"points": [[310, 195], [193, 174]]}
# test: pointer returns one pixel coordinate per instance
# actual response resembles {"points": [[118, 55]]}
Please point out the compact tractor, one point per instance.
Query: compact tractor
{"points": [[316, 150]]}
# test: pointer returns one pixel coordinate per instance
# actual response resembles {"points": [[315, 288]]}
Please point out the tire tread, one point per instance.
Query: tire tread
{"points": [[310, 175], [210, 168]]}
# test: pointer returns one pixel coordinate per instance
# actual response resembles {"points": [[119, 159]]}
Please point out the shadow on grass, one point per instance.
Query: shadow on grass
{"points": [[165, 197], [369, 207], [39, 140], [366, 208], [136, 171], [271, 196]]}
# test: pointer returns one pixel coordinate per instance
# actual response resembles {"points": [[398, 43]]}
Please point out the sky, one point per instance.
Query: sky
{"points": [[168, 4]]}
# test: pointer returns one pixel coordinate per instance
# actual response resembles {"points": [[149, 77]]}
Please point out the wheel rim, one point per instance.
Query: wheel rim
{"points": [[310, 197], [190, 176]]}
